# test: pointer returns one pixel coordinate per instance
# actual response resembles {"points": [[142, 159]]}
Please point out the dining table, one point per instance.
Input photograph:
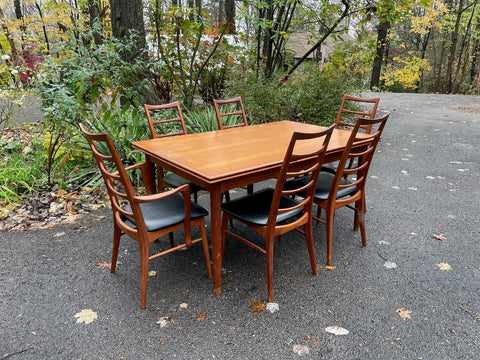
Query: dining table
{"points": [[226, 159]]}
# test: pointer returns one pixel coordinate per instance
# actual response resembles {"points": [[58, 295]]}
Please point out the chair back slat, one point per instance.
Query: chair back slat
{"points": [[165, 120], [352, 105], [230, 113]]}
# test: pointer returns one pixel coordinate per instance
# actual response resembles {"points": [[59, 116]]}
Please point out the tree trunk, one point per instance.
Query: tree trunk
{"points": [[127, 16], [95, 15], [382, 35], [127, 19], [453, 50], [230, 16], [7, 33], [475, 55], [37, 5]]}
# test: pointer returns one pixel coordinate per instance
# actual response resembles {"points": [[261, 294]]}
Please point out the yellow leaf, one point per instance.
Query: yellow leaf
{"points": [[152, 273], [86, 316], [257, 306], [404, 314], [444, 266], [330, 267]]}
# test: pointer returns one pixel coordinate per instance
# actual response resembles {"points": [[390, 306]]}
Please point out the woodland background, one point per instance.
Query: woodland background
{"points": [[98, 62]]}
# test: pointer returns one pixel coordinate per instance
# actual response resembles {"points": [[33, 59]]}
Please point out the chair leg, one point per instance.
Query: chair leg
{"points": [[361, 219], [117, 233], [227, 195], [172, 243], [330, 214], [206, 251], [269, 253], [250, 189], [311, 248], [144, 251], [195, 197], [319, 212]]}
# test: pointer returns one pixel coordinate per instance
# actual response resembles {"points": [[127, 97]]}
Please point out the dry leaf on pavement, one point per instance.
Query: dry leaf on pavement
{"points": [[444, 266], [201, 316], [336, 330], [86, 315], [404, 314], [104, 265], [257, 306]]}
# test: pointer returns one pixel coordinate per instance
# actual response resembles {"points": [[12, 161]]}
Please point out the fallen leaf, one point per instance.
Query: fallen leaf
{"points": [[272, 307], [330, 267], [439, 236], [313, 339], [336, 330], [152, 273], [86, 316], [165, 321], [104, 265], [390, 265], [301, 349], [183, 305], [257, 306], [404, 314], [444, 266], [201, 316]]}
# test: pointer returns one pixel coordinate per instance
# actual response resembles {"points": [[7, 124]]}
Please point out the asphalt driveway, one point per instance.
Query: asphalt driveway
{"points": [[411, 293]]}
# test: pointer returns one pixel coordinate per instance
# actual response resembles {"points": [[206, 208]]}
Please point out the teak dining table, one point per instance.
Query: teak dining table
{"points": [[226, 159]]}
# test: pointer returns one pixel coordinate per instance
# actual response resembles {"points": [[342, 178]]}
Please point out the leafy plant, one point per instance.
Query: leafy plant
{"points": [[87, 86], [311, 97]]}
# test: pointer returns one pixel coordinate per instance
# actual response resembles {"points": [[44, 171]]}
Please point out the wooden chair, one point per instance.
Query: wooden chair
{"points": [[230, 113], [346, 187], [273, 212], [145, 218], [167, 120], [351, 108]]}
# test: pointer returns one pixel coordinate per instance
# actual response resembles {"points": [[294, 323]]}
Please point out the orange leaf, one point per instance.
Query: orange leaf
{"points": [[330, 267], [104, 265], [201, 316], [257, 306], [404, 314]]}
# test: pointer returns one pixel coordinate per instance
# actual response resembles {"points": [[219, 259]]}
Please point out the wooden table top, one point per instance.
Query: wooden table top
{"points": [[216, 155]]}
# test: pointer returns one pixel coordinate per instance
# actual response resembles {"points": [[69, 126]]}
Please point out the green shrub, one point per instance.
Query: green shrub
{"points": [[309, 97]]}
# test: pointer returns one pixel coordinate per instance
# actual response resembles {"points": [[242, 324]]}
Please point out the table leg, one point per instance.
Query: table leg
{"points": [[216, 228]]}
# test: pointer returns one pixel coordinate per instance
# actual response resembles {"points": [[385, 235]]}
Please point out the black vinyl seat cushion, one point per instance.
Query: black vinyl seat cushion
{"points": [[332, 166], [324, 184], [254, 208], [175, 181], [166, 212]]}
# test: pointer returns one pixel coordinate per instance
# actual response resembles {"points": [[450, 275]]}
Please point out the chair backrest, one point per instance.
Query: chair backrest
{"points": [[352, 107], [361, 151], [165, 120], [119, 187], [230, 113], [300, 163]]}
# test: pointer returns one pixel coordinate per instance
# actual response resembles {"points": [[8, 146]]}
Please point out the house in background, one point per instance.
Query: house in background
{"points": [[300, 42]]}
